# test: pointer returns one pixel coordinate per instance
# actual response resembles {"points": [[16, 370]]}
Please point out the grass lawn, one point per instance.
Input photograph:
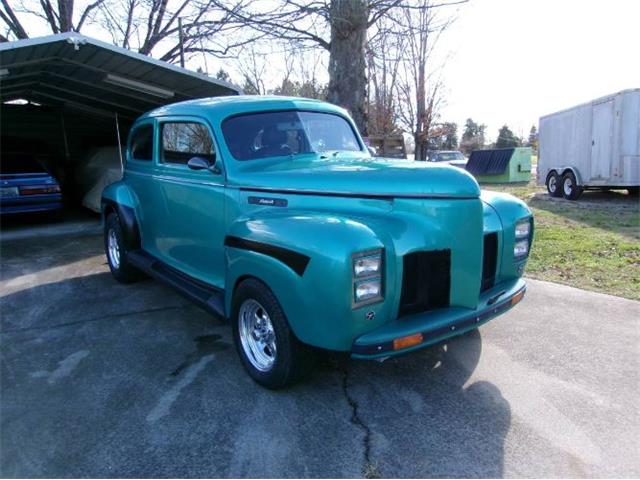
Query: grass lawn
{"points": [[593, 243]]}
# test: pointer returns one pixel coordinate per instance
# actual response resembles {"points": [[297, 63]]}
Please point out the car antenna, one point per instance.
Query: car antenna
{"points": [[119, 145]]}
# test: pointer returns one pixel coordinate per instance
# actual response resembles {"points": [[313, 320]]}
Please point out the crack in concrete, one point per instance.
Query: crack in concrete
{"points": [[369, 469], [97, 319]]}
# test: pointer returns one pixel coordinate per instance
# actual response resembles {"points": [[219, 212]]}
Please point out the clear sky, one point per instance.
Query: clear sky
{"points": [[515, 60]]}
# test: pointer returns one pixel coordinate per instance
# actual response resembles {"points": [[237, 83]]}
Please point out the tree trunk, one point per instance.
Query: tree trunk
{"points": [[65, 9], [347, 74], [422, 127]]}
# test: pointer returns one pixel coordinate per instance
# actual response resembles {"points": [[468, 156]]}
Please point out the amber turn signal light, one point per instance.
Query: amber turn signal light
{"points": [[408, 341], [517, 297]]}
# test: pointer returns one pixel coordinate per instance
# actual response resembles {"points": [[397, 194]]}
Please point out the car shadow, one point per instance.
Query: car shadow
{"points": [[425, 416]]}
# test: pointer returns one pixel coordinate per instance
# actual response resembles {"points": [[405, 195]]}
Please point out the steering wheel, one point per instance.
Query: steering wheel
{"points": [[286, 149]]}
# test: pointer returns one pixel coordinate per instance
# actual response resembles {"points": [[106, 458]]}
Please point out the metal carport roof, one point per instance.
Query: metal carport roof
{"points": [[79, 72]]}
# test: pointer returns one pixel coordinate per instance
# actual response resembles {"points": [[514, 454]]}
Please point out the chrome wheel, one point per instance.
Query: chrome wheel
{"points": [[113, 249], [553, 184], [568, 186], [257, 336]]}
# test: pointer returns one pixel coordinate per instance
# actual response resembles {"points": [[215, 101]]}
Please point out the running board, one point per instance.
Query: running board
{"points": [[205, 295]]}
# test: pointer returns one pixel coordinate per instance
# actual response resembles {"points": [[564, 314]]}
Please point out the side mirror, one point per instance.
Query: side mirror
{"points": [[199, 163], [372, 151]]}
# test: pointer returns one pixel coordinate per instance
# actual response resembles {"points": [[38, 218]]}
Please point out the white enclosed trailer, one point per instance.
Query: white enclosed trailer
{"points": [[592, 145]]}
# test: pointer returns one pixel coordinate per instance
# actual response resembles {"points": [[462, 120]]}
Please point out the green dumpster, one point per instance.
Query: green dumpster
{"points": [[502, 165]]}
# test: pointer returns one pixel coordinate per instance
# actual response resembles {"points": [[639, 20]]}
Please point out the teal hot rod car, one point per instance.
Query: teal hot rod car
{"points": [[271, 212]]}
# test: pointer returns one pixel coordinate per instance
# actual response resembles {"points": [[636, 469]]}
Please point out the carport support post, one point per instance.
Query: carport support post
{"points": [[119, 144], [67, 154]]}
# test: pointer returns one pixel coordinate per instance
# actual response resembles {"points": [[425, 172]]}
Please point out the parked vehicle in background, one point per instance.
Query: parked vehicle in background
{"points": [[595, 145], [450, 157], [388, 146], [271, 211], [25, 185]]}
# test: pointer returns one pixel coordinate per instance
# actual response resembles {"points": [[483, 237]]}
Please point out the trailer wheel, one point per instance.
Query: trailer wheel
{"points": [[570, 188], [553, 184]]}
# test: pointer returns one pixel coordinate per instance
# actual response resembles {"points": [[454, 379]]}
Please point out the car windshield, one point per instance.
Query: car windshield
{"points": [[448, 156], [271, 134]]}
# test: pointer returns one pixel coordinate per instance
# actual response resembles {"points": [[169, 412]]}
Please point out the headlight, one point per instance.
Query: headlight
{"points": [[367, 290], [365, 266], [523, 228], [521, 248]]}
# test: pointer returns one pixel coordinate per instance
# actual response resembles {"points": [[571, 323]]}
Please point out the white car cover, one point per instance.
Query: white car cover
{"points": [[101, 168]]}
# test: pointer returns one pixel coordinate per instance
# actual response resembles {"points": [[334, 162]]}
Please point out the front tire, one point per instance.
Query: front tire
{"points": [[553, 184], [570, 188], [116, 252], [268, 349]]}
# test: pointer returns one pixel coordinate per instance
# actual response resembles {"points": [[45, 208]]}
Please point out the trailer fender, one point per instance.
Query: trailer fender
{"points": [[575, 173]]}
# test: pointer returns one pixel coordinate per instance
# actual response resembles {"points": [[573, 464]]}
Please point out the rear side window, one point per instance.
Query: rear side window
{"points": [[181, 141], [142, 143]]}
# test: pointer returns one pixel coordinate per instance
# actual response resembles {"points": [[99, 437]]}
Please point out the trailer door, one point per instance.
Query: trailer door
{"points": [[601, 142]]}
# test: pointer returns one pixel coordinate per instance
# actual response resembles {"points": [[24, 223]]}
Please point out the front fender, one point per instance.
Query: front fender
{"points": [[119, 198], [509, 209], [318, 299]]}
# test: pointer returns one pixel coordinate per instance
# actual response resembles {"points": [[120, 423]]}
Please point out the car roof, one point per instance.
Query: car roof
{"points": [[223, 107]]}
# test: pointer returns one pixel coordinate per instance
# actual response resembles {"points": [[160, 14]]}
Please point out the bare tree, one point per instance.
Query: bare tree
{"points": [[339, 27], [300, 76], [59, 16], [384, 56], [252, 67], [149, 26], [152, 27], [420, 88]]}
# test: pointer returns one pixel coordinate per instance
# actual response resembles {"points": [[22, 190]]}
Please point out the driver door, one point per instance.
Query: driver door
{"points": [[190, 234]]}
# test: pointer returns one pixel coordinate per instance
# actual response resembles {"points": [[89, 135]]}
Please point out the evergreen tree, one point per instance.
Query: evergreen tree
{"points": [[533, 138], [223, 75], [506, 138], [472, 137]]}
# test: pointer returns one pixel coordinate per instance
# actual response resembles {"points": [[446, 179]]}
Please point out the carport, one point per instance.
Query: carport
{"points": [[68, 98]]}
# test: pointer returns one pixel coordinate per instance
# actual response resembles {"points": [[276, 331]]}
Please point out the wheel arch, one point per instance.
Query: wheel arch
{"points": [[575, 172], [284, 283], [118, 198], [128, 222]]}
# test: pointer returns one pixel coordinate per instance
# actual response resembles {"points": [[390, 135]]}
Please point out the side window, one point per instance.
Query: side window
{"points": [[142, 143], [181, 141]]}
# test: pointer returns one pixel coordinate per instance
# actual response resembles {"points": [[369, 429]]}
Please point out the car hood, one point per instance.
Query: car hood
{"points": [[359, 177]]}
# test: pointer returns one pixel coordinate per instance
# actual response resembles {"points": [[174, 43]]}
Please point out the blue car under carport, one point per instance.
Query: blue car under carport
{"points": [[25, 186]]}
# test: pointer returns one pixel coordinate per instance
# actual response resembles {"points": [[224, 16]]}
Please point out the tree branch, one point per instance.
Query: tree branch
{"points": [[12, 21]]}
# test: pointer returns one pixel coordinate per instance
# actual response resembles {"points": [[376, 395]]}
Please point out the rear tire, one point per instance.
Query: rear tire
{"points": [[553, 184], [116, 252], [570, 188], [268, 349]]}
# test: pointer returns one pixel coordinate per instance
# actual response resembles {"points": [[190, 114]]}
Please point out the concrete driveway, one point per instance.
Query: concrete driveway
{"points": [[101, 379]]}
